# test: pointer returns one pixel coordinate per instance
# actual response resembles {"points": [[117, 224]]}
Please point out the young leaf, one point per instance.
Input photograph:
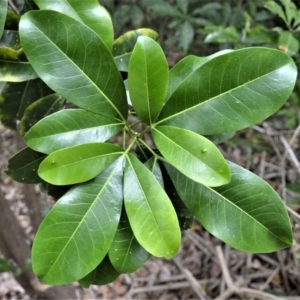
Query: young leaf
{"points": [[3, 10], [88, 12], [73, 67], [77, 233], [39, 109], [16, 97], [105, 273], [151, 215], [231, 92], [123, 46], [148, 79], [247, 214], [70, 127], [23, 166], [192, 154], [126, 254], [78, 164]]}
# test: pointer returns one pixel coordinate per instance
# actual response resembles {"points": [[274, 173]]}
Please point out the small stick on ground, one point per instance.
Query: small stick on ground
{"points": [[192, 280]]}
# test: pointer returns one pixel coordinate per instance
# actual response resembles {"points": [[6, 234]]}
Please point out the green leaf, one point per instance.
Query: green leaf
{"points": [[23, 166], [78, 163], [290, 10], [153, 165], [123, 46], [247, 214], [70, 127], [161, 8], [231, 92], [184, 68], [287, 43], [192, 154], [28, 5], [126, 254], [16, 97], [185, 217], [88, 12], [151, 215], [77, 233], [276, 9], [5, 266], [105, 273], [72, 66], [186, 35], [183, 5], [148, 79], [10, 47], [294, 187], [16, 71], [3, 10], [222, 35], [39, 109]]}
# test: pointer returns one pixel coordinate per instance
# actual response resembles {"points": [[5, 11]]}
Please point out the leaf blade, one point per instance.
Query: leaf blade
{"points": [[65, 166], [247, 213], [84, 207], [148, 78], [71, 64], [219, 101], [88, 12], [150, 211], [70, 127], [126, 254], [192, 154]]}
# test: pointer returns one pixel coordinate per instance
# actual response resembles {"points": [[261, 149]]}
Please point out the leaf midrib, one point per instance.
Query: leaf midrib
{"points": [[186, 150], [215, 97], [160, 233], [76, 66], [243, 212]]}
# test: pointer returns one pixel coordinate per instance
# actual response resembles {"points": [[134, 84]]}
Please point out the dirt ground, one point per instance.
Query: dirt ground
{"points": [[205, 268]]}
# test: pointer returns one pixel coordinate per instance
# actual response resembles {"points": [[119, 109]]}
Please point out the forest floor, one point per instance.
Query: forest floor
{"points": [[205, 268]]}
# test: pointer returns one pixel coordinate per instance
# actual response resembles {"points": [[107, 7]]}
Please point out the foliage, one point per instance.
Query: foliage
{"points": [[120, 204]]}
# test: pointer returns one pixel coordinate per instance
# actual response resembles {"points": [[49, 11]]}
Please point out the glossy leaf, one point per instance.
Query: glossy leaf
{"points": [[10, 47], [123, 46], [151, 215], [231, 91], [77, 66], [184, 68], [23, 166], [39, 109], [192, 154], [66, 166], [148, 79], [88, 12], [70, 127], [126, 254], [77, 233], [3, 10], [105, 273], [247, 214], [287, 43], [16, 97]]}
